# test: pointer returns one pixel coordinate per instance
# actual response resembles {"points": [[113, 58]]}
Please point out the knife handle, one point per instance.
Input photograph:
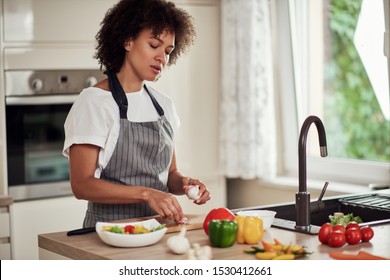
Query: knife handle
{"points": [[81, 231]]}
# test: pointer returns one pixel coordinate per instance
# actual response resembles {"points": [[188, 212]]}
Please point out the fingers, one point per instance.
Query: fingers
{"points": [[166, 205], [204, 192], [204, 195]]}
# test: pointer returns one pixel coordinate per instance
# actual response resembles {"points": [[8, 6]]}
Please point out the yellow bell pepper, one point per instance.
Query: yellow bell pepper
{"points": [[250, 229]]}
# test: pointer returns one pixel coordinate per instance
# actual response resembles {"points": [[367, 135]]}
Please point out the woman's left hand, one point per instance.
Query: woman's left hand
{"points": [[203, 191]]}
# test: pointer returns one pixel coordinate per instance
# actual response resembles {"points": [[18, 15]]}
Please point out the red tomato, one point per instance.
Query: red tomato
{"points": [[339, 228], [353, 236], [217, 214], [367, 233], [336, 239], [352, 225], [129, 229], [324, 233]]}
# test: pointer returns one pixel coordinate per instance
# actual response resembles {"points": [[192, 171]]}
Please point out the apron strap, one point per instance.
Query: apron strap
{"points": [[120, 96], [160, 110], [118, 93]]}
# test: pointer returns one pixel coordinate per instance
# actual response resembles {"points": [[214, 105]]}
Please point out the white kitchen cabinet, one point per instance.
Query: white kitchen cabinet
{"points": [[69, 21], [5, 232], [30, 218]]}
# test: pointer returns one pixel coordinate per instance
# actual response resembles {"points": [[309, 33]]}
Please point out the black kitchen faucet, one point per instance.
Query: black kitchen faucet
{"points": [[303, 206]]}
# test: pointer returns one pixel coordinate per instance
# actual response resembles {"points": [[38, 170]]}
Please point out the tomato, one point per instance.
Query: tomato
{"points": [[336, 239], [353, 236], [129, 229], [217, 214], [324, 232], [367, 233], [339, 228], [352, 225]]}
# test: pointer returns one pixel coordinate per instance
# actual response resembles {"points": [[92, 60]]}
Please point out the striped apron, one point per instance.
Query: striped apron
{"points": [[142, 157]]}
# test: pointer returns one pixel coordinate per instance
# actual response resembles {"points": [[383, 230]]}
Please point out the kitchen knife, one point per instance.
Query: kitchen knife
{"points": [[81, 231]]}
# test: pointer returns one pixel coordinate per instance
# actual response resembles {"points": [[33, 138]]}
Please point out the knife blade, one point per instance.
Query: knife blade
{"points": [[81, 231]]}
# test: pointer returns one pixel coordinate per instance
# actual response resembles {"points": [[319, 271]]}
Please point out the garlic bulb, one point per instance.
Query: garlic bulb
{"points": [[192, 192], [179, 244]]}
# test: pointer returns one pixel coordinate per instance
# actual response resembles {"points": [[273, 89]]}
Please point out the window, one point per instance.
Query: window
{"points": [[334, 67]]}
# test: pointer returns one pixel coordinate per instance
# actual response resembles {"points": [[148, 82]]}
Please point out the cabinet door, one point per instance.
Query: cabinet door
{"points": [[50, 21], [31, 218]]}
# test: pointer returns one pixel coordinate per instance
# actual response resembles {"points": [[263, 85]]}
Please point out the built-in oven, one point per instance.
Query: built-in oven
{"points": [[37, 103]]}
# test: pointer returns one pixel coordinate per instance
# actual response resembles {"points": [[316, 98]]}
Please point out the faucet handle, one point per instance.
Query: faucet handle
{"points": [[323, 191], [317, 206]]}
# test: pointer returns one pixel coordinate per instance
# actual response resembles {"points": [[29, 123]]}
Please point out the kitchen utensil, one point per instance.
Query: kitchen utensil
{"points": [[81, 231]]}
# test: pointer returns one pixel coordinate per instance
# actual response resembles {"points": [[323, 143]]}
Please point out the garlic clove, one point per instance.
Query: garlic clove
{"points": [[192, 192], [202, 252]]}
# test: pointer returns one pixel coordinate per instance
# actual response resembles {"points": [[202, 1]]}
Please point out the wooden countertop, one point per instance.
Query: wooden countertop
{"points": [[89, 246]]}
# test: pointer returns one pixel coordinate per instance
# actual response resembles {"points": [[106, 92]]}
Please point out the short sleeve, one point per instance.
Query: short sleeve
{"points": [[89, 120]]}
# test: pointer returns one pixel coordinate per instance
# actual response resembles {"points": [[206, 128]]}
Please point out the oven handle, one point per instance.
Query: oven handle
{"points": [[41, 100]]}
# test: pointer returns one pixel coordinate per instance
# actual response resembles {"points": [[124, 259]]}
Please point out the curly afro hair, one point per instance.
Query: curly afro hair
{"points": [[128, 18]]}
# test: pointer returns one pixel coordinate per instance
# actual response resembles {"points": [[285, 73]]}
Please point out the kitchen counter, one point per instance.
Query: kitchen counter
{"points": [[89, 246]]}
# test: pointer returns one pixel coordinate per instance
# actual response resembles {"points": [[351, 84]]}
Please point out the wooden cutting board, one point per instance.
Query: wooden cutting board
{"points": [[194, 222]]}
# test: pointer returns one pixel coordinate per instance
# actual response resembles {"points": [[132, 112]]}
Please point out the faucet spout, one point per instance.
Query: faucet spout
{"points": [[302, 197]]}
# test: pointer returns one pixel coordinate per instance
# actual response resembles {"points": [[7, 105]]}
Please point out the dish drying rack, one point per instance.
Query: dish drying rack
{"points": [[372, 201]]}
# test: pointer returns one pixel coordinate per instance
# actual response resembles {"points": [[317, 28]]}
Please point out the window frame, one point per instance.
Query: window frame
{"points": [[350, 171]]}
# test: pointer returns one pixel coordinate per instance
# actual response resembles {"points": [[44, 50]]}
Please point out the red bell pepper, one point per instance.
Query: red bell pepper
{"points": [[217, 214]]}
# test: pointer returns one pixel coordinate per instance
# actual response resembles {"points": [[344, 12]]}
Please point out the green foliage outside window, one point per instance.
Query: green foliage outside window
{"points": [[355, 125]]}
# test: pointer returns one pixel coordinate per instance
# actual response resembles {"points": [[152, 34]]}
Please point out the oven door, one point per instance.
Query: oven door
{"points": [[35, 138]]}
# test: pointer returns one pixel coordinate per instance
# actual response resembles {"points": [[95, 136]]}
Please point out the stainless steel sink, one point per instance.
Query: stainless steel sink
{"points": [[373, 208]]}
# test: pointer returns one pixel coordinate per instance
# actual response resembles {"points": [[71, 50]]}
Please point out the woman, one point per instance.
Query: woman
{"points": [[120, 132]]}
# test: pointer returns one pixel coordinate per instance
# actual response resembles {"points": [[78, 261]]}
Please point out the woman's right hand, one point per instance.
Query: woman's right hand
{"points": [[165, 204]]}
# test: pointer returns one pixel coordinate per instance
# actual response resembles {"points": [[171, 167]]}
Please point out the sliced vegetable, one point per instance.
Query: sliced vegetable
{"points": [[266, 255], [361, 255], [222, 233], [277, 251], [285, 257], [217, 214], [250, 229], [131, 229]]}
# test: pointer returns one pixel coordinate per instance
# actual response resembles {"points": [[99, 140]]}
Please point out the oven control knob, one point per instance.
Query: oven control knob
{"points": [[91, 81], [36, 84]]}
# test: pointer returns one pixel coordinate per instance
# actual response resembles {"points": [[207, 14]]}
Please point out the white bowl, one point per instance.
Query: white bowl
{"points": [[266, 215], [131, 240]]}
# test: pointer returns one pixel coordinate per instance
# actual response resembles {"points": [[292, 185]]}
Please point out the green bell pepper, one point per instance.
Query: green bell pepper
{"points": [[222, 233]]}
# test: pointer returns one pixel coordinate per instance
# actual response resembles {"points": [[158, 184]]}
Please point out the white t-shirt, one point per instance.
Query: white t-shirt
{"points": [[94, 119]]}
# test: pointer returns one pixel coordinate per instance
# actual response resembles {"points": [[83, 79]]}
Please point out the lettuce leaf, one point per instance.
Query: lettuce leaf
{"points": [[339, 218]]}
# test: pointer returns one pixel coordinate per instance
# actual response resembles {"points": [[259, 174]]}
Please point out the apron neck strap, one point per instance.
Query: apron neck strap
{"points": [[160, 110], [120, 96], [117, 93]]}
